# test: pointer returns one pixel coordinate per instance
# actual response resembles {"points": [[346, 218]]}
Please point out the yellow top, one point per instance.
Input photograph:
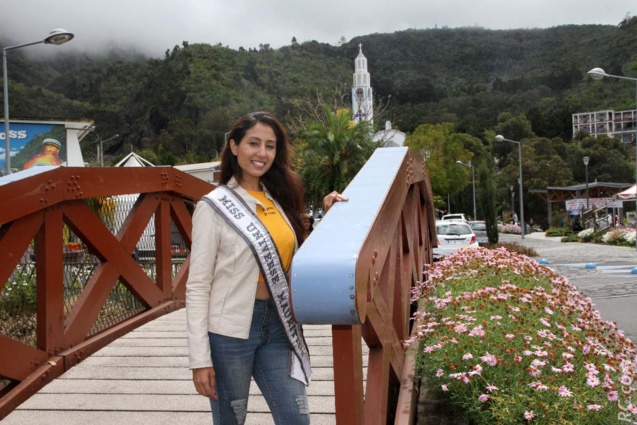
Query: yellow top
{"points": [[282, 234]]}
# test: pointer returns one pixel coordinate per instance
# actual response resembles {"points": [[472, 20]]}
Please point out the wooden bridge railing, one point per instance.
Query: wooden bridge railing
{"points": [[356, 272], [38, 207]]}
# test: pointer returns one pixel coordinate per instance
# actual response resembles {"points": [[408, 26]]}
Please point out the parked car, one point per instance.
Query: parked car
{"points": [[480, 230], [454, 217], [453, 235]]}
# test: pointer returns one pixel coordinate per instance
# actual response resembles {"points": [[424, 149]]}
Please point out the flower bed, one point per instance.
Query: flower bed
{"points": [[510, 228], [623, 237], [586, 235], [509, 341]]}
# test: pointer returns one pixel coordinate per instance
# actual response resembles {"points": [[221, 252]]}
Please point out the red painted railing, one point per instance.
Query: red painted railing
{"points": [[36, 212]]}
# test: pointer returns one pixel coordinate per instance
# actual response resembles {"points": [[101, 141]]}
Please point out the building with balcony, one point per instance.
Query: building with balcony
{"points": [[609, 123]]}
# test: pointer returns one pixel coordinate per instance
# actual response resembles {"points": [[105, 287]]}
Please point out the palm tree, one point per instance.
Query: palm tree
{"points": [[331, 154]]}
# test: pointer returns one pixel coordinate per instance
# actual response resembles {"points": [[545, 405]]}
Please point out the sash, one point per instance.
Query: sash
{"points": [[245, 222]]}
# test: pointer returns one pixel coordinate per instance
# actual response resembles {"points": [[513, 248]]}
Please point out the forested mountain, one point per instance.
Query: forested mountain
{"points": [[179, 107]]}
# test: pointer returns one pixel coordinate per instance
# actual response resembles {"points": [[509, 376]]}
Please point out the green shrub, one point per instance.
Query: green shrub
{"points": [[570, 238], [514, 247], [558, 231]]}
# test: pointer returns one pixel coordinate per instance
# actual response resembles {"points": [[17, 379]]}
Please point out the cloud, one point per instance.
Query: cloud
{"points": [[154, 26]]}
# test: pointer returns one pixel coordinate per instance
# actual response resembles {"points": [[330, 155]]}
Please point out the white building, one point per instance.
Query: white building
{"points": [[362, 94], [390, 137], [206, 171], [609, 123]]}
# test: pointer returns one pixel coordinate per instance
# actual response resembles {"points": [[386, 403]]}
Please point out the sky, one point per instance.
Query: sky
{"points": [[153, 26]]}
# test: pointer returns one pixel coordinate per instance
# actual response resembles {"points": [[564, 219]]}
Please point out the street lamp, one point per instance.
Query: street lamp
{"points": [[586, 159], [500, 138], [473, 179], [57, 37], [598, 74]]}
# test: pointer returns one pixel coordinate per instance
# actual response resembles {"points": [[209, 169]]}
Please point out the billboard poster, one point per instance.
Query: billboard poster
{"points": [[34, 144], [593, 203]]}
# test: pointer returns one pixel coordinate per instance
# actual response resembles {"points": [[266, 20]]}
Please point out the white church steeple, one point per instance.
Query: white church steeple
{"points": [[362, 95]]}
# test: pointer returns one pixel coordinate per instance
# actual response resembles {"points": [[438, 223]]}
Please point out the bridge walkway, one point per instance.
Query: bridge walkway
{"points": [[143, 378]]}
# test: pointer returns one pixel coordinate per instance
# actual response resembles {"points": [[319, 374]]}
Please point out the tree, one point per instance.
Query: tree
{"points": [[441, 149], [330, 153], [487, 200]]}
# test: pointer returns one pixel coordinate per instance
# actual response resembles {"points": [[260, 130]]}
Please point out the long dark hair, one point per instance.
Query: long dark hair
{"points": [[283, 184]]}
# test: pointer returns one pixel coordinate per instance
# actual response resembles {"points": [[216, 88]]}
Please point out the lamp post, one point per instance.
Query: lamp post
{"points": [[500, 138], [598, 74], [473, 179], [57, 37], [586, 159]]}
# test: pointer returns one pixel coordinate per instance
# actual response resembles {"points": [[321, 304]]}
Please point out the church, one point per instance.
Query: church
{"points": [[363, 104]]}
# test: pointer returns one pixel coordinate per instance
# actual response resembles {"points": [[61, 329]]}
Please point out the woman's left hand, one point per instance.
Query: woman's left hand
{"points": [[331, 199]]}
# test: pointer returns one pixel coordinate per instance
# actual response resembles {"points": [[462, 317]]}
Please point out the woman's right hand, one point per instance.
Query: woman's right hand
{"points": [[205, 382], [331, 199]]}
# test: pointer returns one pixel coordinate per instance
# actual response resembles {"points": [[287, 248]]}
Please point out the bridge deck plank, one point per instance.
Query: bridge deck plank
{"points": [[143, 378]]}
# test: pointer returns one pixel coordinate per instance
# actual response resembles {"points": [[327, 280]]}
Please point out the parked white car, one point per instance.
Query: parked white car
{"points": [[454, 217], [453, 235]]}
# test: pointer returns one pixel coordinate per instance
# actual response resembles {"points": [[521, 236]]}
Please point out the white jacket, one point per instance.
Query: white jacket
{"points": [[222, 282]]}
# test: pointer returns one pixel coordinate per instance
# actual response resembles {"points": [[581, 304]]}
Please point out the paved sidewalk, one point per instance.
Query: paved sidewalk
{"points": [[611, 285]]}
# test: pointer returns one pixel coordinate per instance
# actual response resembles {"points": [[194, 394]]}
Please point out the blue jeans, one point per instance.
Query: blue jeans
{"points": [[265, 355]]}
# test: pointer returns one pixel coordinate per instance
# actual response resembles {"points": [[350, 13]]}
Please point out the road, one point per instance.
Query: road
{"points": [[611, 285]]}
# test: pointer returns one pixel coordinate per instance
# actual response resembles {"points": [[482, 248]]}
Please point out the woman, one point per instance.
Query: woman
{"points": [[245, 233]]}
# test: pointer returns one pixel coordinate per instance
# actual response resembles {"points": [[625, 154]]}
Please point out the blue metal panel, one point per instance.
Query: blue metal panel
{"points": [[323, 270]]}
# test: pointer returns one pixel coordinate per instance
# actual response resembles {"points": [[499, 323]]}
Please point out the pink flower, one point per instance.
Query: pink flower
{"points": [[538, 363], [444, 388], [467, 356], [528, 415], [626, 380], [594, 407], [568, 367], [460, 329], [534, 371], [477, 331], [592, 381], [632, 409], [491, 388], [439, 373], [510, 336], [564, 392], [483, 397], [477, 370], [612, 395], [489, 359]]}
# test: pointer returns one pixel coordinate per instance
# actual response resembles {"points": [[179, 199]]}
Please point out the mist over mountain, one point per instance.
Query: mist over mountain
{"points": [[179, 106]]}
